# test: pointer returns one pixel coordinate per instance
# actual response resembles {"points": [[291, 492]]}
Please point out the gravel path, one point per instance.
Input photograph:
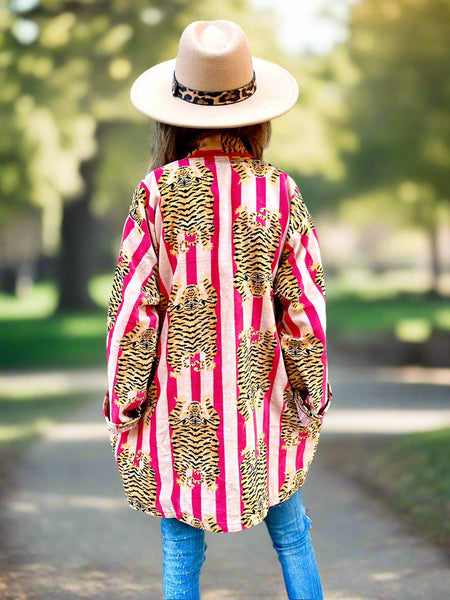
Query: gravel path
{"points": [[69, 533]]}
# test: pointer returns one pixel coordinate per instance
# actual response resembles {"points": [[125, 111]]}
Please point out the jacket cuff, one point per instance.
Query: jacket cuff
{"points": [[117, 427], [329, 398]]}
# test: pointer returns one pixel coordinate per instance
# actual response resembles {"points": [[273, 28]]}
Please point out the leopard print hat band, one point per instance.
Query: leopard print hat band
{"points": [[214, 82], [213, 98]]}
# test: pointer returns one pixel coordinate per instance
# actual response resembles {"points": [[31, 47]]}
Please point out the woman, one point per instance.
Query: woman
{"points": [[216, 344]]}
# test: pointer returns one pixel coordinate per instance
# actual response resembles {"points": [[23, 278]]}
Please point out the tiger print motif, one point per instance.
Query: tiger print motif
{"points": [[195, 443], [291, 484], [115, 299], [208, 523], [255, 360], [253, 277], [196, 307], [300, 220], [286, 286], [138, 479], [138, 207], [135, 362], [255, 496], [249, 168], [304, 367], [319, 280], [187, 205], [150, 403], [150, 291]]}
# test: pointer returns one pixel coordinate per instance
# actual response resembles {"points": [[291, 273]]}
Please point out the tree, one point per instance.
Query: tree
{"points": [[397, 107], [68, 66], [64, 91]]}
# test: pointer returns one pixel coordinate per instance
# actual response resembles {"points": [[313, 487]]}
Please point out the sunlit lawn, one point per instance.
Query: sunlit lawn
{"points": [[348, 315], [58, 341], [33, 337]]}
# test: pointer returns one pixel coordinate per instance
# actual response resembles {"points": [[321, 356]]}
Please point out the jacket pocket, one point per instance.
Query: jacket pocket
{"points": [[306, 417]]}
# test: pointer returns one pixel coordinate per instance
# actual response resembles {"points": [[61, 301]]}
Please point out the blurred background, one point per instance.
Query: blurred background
{"points": [[367, 143]]}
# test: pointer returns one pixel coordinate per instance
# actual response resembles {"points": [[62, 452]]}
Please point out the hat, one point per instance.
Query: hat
{"points": [[214, 82]]}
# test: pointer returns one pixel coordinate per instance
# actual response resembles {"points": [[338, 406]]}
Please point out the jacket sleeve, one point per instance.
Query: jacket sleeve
{"points": [[133, 317], [300, 307]]}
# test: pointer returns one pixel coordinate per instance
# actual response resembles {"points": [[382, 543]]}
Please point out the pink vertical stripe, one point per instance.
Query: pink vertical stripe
{"points": [[236, 198], [220, 494]]}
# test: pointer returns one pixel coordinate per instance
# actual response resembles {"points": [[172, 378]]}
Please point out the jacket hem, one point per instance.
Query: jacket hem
{"points": [[231, 527]]}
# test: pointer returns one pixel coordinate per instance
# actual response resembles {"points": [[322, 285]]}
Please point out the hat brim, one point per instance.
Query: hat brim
{"points": [[276, 93]]}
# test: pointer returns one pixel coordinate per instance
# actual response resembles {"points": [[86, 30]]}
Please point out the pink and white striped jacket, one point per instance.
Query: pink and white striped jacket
{"points": [[216, 348]]}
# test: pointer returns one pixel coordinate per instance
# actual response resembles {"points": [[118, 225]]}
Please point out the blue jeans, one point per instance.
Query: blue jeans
{"points": [[288, 525]]}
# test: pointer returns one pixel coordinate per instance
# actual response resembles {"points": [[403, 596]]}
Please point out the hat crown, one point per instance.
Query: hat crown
{"points": [[213, 56]]}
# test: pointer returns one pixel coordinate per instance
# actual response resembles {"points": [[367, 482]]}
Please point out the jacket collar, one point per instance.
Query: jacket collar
{"points": [[219, 143]]}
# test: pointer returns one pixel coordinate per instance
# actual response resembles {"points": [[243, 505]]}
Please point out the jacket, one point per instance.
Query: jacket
{"points": [[216, 349]]}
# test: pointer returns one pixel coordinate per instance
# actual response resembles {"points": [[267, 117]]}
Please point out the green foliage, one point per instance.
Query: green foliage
{"points": [[398, 101], [66, 68], [390, 78]]}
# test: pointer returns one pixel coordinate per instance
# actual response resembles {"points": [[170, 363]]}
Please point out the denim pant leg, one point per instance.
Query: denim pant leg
{"points": [[184, 550], [288, 526]]}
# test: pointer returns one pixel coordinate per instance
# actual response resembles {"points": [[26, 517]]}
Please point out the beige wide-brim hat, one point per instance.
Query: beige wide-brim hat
{"points": [[214, 82]]}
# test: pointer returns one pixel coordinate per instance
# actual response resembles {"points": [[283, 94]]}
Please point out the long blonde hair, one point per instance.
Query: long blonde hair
{"points": [[170, 142]]}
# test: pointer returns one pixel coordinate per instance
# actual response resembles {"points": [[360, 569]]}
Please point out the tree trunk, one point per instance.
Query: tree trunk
{"points": [[74, 268], [76, 262], [79, 252], [435, 266]]}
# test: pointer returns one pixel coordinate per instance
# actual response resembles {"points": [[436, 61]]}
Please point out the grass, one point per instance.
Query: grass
{"points": [[36, 303], [75, 340], [409, 472], [33, 337], [349, 315], [418, 480]]}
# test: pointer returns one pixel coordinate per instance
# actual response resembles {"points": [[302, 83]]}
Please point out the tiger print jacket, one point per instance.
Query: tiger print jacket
{"points": [[217, 367]]}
